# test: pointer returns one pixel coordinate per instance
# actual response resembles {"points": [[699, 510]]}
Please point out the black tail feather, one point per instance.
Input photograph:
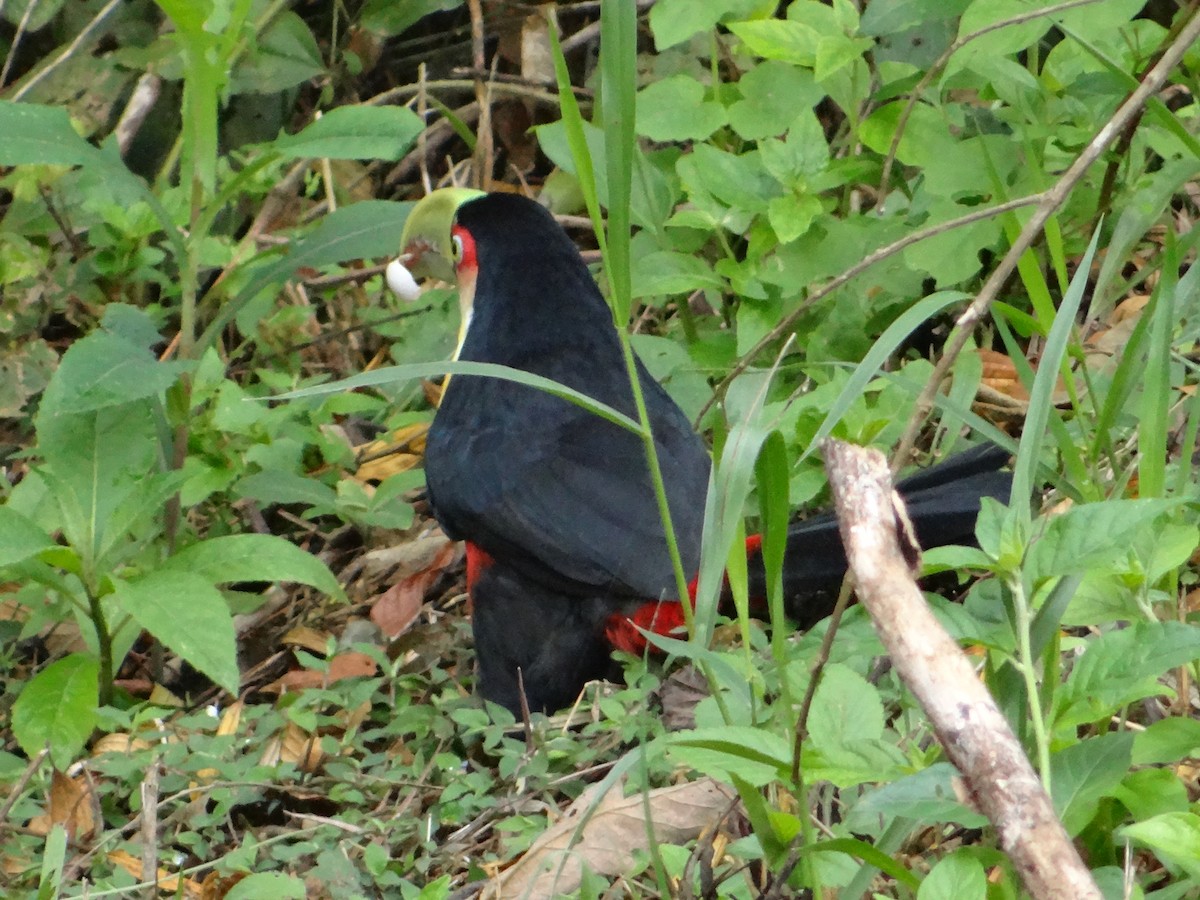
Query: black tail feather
{"points": [[943, 503]]}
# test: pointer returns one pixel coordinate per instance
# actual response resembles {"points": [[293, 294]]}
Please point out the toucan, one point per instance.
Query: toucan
{"points": [[566, 555]]}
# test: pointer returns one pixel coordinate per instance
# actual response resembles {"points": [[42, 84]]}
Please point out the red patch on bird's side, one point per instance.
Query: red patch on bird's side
{"points": [[477, 561], [625, 632], [464, 257]]}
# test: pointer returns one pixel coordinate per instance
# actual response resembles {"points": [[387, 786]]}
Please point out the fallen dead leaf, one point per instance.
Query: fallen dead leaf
{"points": [[167, 883], [70, 805], [397, 608], [400, 451], [606, 841]]}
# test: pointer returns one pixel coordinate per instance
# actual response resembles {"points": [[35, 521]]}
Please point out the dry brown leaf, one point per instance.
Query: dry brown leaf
{"points": [[309, 638], [167, 883], [301, 748], [400, 451], [348, 664], [397, 608], [70, 805], [119, 742], [607, 841]]}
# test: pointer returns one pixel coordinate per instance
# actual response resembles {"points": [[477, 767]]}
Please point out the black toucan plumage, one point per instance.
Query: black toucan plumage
{"points": [[565, 542]]}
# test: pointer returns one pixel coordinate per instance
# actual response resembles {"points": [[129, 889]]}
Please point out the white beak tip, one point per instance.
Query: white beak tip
{"points": [[401, 281]]}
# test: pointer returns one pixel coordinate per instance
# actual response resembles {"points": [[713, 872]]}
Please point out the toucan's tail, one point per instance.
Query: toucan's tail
{"points": [[943, 504]]}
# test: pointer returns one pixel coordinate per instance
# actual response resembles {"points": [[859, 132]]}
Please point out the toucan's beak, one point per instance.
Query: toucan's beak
{"points": [[425, 246]]}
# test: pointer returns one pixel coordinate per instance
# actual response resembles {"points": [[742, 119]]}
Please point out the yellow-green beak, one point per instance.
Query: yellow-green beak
{"points": [[425, 244]]}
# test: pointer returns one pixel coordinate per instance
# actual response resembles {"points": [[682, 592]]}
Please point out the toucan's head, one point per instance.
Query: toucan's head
{"points": [[510, 259]]}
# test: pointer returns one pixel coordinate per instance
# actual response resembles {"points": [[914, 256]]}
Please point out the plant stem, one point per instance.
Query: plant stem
{"points": [[1028, 667]]}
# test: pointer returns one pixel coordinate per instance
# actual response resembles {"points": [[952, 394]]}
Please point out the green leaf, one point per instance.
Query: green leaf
{"points": [[355, 132], [285, 55], [189, 616], [268, 886], [927, 797], [1091, 537], [41, 135], [774, 94], [668, 272], [1174, 836], [1123, 666], [1167, 741], [57, 708], [846, 709], [1084, 773], [277, 486], [103, 370], [792, 215], [789, 41], [957, 877], [753, 754], [674, 21], [252, 557], [674, 109], [20, 538]]}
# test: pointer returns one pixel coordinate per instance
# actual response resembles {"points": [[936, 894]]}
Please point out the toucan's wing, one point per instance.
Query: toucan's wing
{"points": [[566, 499]]}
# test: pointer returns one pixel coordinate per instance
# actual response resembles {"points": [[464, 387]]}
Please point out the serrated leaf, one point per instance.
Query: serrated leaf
{"points": [[1084, 773], [41, 135], [189, 616], [1092, 537], [355, 132], [1123, 666], [674, 109], [1174, 835], [20, 537], [57, 708], [103, 370], [252, 557]]}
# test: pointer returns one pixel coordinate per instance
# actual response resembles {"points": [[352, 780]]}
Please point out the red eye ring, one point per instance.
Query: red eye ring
{"points": [[463, 248]]}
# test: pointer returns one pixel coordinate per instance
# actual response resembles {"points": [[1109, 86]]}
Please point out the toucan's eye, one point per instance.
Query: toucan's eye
{"points": [[462, 248]]}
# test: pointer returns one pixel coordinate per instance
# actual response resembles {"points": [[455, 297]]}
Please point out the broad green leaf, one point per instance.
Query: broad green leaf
{"points": [[252, 557], [674, 109], [1151, 792], [789, 41], [20, 538], [926, 141], [927, 797], [1174, 836], [773, 95], [668, 272], [285, 54], [268, 886], [1084, 773], [884, 18], [753, 754], [277, 486], [189, 616], [845, 709], [57, 708], [957, 877], [41, 135], [674, 21], [792, 215], [103, 369], [1091, 537], [1167, 741], [1123, 666], [355, 132]]}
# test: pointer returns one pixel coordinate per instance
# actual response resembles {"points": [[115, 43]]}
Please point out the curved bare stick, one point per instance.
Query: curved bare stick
{"points": [[969, 725]]}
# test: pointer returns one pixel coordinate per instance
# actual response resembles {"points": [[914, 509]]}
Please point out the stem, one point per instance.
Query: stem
{"points": [[103, 645], [1028, 667]]}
